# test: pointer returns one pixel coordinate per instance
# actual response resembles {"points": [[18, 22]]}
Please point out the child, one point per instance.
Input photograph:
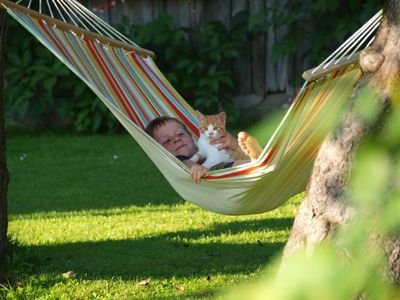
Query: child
{"points": [[173, 135]]}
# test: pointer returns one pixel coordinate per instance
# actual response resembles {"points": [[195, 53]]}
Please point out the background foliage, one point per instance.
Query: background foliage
{"points": [[197, 62], [318, 25], [39, 87]]}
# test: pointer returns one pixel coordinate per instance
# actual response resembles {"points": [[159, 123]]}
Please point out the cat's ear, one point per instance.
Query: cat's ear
{"points": [[199, 115], [222, 116]]}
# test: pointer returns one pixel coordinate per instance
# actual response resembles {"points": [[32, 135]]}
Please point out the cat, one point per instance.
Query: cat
{"points": [[212, 127]]}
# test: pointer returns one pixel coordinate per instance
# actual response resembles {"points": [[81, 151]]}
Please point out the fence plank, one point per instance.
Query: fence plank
{"points": [[197, 9], [241, 68], [140, 12], [159, 6], [216, 10], [276, 72], [270, 66], [258, 45], [282, 66], [115, 13], [179, 10]]}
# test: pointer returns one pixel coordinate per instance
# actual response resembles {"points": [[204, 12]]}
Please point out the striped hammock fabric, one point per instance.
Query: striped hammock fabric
{"points": [[133, 88]]}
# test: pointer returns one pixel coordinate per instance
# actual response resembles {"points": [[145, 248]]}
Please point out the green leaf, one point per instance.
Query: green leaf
{"points": [[215, 85], [184, 63], [26, 58], [215, 55], [227, 81], [14, 58], [49, 83], [79, 89], [81, 116], [22, 108], [204, 82], [96, 122], [212, 70], [35, 79]]}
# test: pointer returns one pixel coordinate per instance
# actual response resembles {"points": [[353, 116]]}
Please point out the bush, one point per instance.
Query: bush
{"points": [[37, 84], [319, 25]]}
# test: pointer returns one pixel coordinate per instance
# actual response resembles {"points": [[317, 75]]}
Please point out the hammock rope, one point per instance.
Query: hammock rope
{"points": [[127, 80], [351, 44]]}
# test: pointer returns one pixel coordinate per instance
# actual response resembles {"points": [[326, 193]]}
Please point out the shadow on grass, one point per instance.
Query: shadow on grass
{"points": [[175, 254], [92, 187]]}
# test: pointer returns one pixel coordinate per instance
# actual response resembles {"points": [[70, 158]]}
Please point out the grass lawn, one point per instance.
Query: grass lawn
{"points": [[97, 206]]}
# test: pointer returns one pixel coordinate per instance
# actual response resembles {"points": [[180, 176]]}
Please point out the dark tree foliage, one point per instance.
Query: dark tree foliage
{"points": [[3, 166], [317, 25]]}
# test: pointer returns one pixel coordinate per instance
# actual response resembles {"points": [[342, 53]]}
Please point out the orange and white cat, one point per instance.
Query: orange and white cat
{"points": [[212, 127]]}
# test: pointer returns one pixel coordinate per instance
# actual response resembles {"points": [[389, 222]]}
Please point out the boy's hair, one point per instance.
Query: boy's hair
{"points": [[160, 121]]}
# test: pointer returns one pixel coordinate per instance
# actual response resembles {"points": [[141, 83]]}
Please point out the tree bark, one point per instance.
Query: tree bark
{"points": [[3, 166], [324, 208]]}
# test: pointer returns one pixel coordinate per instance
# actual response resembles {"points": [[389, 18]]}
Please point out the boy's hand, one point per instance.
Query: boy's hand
{"points": [[227, 141], [197, 172]]}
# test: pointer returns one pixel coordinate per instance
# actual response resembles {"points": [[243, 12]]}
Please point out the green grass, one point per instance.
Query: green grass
{"points": [[97, 206]]}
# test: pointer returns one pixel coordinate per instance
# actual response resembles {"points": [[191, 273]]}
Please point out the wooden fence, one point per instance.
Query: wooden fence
{"points": [[261, 84]]}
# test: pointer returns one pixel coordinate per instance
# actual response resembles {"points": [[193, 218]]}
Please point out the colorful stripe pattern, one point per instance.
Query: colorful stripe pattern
{"points": [[135, 90], [127, 80]]}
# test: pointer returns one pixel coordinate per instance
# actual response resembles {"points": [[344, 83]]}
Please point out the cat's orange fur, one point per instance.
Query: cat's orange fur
{"points": [[219, 123]]}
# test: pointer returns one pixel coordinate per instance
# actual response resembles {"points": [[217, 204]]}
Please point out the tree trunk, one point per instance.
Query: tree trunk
{"points": [[324, 208], [3, 166]]}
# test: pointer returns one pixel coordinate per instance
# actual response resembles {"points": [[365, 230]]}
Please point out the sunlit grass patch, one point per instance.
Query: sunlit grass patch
{"points": [[98, 207]]}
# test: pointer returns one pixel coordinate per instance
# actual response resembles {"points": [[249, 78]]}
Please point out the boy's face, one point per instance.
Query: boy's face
{"points": [[175, 139]]}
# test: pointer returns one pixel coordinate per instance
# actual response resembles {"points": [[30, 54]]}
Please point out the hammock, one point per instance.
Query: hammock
{"points": [[126, 79]]}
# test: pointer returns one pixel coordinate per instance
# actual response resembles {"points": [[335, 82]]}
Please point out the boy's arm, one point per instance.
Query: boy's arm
{"points": [[227, 141], [196, 171]]}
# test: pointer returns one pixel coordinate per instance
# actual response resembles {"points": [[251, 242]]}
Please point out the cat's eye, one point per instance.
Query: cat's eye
{"points": [[216, 128]]}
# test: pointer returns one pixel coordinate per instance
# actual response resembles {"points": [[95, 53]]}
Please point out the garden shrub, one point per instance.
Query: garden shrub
{"points": [[199, 70], [36, 84], [197, 62]]}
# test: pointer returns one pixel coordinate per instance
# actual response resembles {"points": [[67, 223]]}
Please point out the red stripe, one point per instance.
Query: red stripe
{"points": [[110, 80], [169, 90], [248, 170], [177, 111], [284, 131], [182, 116], [296, 102], [150, 103], [126, 87], [136, 86], [85, 74], [57, 43]]}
